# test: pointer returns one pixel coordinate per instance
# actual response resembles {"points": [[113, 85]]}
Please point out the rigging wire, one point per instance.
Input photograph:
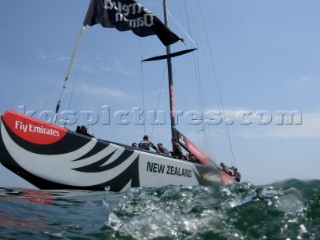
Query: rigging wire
{"points": [[72, 90], [68, 71], [196, 64], [142, 93], [199, 88], [145, 48], [176, 22], [159, 96], [217, 85]]}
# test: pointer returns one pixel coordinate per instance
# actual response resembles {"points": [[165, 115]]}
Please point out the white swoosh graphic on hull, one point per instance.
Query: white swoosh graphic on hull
{"points": [[59, 168]]}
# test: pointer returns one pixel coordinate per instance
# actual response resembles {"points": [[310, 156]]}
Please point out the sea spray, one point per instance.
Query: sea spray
{"points": [[282, 210]]}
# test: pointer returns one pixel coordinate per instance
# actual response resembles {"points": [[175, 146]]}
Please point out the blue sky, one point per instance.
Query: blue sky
{"points": [[262, 57]]}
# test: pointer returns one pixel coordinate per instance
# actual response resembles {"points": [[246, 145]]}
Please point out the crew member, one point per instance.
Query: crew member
{"points": [[161, 149], [145, 144], [236, 175], [226, 169]]}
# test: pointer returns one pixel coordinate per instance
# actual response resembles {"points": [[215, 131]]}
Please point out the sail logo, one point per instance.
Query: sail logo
{"points": [[36, 129], [135, 15]]}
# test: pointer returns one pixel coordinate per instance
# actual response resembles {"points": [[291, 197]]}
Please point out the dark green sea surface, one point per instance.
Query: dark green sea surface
{"points": [[283, 210]]}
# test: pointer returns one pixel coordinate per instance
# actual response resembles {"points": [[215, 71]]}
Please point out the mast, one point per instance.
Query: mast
{"points": [[170, 77], [183, 141]]}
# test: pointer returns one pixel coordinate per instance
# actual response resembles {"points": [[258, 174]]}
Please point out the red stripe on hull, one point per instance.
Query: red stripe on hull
{"points": [[226, 178], [33, 130]]}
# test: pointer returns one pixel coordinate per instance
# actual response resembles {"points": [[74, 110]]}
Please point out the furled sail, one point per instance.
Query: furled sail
{"points": [[191, 147], [127, 15]]}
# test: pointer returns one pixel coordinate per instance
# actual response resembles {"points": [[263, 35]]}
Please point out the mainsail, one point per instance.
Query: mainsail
{"points": [[127, 15]]}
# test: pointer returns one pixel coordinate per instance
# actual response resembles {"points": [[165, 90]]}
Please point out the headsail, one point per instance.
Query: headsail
{"points": [[127, 15]]}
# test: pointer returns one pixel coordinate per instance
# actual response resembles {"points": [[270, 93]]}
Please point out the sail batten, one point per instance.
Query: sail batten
{"points": [[125, 15]]}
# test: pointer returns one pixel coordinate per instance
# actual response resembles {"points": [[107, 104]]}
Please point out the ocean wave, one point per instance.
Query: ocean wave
{"points": [[283, 210]]}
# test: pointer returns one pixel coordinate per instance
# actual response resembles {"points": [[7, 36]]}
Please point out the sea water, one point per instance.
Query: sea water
{"points": [[283, 210]]}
